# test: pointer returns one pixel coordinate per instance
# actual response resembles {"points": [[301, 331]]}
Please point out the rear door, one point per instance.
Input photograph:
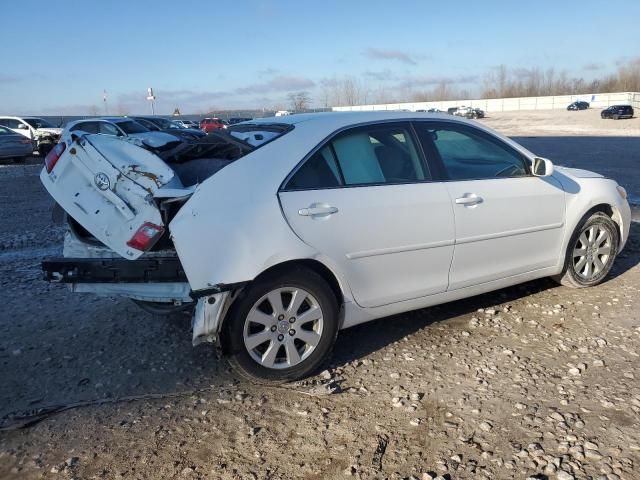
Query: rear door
{"points": [[365, 200], [107, 185]]}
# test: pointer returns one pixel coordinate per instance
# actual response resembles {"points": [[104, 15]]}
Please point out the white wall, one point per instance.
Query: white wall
{"points": [[597, 100]]}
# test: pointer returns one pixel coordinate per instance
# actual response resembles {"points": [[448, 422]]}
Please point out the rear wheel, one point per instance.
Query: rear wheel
{"points": [[282, 327], [591, 252]]}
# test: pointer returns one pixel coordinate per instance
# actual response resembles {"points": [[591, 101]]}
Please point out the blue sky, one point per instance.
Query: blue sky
{"points": [[58, 56]]}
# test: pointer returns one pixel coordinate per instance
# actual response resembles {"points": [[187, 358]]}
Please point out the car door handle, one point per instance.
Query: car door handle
{"points": [[469, 199], [317, 210]]}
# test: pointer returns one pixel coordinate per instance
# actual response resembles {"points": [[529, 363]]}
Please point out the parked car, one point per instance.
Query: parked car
{"points": [[159, 124], [469, 112], [452, 110], [579, 105], [42, 133], [14, 145], [617, 111], [211, 124], [277, 263], [122, 127], [188, 124], [234, 120]]}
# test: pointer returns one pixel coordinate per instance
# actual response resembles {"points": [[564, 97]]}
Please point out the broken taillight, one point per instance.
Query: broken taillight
{"points": [[146, 236], [53, 156]]}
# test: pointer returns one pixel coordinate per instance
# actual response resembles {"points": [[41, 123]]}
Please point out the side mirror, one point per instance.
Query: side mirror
{"points": [[22, 126], [542, 167]]}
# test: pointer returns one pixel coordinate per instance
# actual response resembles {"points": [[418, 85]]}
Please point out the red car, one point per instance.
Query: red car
{"points": [[211, 124]]}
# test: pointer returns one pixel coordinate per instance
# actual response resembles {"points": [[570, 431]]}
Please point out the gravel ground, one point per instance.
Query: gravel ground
{"points": [[535, 381]]}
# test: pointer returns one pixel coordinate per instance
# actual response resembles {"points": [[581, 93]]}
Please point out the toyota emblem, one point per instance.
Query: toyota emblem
{"points": [[102, 181]]}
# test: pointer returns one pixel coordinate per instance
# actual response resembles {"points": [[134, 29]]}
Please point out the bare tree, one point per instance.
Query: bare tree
{"points": [[299, 101]]}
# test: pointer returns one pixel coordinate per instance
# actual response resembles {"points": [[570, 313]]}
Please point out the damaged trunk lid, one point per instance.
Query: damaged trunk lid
{"points": [[108, 185]]}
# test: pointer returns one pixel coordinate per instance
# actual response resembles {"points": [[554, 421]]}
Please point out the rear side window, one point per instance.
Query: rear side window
{"points": [[466, 153], [9, 122], [319, 171], [372, 155]]}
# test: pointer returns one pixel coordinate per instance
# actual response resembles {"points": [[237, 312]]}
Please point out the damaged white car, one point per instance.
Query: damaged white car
{"points": [[282, 231], [43, 135]]}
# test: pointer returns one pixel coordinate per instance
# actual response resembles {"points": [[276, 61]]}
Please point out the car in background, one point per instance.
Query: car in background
{"points": [[14, 145], [42, 133], [579, 105], [122, 127], [234, 120], [159, 124], [187, 124], [277, 263], [469, 112], [211, 124], [617, 111]]}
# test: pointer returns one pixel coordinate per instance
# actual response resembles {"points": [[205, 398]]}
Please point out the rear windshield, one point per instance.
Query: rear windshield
{"points": [[257, 134], [130, 127]]}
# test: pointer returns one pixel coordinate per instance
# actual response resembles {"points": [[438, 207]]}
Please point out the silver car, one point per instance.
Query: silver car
{"points": [[15, 146]]}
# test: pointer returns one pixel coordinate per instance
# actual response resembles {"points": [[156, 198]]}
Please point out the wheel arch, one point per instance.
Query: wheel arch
{"points": [[611, 211], [312, 264]]}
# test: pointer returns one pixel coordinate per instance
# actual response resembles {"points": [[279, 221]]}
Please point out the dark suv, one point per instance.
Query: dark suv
{"points": [[579, 105], [617, 111]]}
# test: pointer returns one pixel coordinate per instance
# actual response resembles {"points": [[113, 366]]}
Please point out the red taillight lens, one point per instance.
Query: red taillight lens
{"points": [[53, 156], [146, 236]]}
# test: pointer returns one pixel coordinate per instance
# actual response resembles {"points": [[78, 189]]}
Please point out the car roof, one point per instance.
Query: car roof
{"points": [[337, 120], [21, 118]]}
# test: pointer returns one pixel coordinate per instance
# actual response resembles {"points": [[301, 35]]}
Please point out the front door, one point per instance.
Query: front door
{"points": [[507, 221], [366, 201]]}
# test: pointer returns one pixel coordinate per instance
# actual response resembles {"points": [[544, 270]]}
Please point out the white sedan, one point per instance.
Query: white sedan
{"points": [[282, 231]]}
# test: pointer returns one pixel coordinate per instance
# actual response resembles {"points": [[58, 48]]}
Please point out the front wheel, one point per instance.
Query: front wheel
{"points": [[282, 327], [591, 252]]}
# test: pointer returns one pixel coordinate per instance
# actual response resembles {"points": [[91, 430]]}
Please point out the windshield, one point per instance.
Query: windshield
{"points": [[130, 127], [162, 123], [38, 123]]}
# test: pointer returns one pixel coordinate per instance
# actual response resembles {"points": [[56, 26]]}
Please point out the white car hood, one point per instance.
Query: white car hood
{"points": [[578, 173], [56, 131]]}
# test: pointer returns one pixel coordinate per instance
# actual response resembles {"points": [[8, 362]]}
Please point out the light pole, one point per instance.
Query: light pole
{"points": [[152, 98]]}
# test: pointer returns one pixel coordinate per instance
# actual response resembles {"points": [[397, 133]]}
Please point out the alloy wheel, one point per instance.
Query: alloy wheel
{"points": [[283, 328], [592, 252]]}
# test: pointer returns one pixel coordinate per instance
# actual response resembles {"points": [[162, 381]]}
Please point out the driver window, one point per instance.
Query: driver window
{"points": [[468, 154]]}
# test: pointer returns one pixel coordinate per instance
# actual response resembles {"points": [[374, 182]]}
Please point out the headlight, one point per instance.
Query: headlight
{"points": [[622, 192]]}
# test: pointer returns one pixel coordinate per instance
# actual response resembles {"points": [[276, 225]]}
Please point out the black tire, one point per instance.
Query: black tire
{"points": [[232, 337], [569, 276], [162, 308]]}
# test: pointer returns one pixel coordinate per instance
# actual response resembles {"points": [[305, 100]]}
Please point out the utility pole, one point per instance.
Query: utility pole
{"points": [[152, 98], [104, 101]]}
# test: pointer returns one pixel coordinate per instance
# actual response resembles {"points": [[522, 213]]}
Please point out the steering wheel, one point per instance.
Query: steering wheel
{"points": [[510, 169]]}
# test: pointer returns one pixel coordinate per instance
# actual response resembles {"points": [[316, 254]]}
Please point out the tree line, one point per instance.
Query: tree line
{"points": [[500, 82]]}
